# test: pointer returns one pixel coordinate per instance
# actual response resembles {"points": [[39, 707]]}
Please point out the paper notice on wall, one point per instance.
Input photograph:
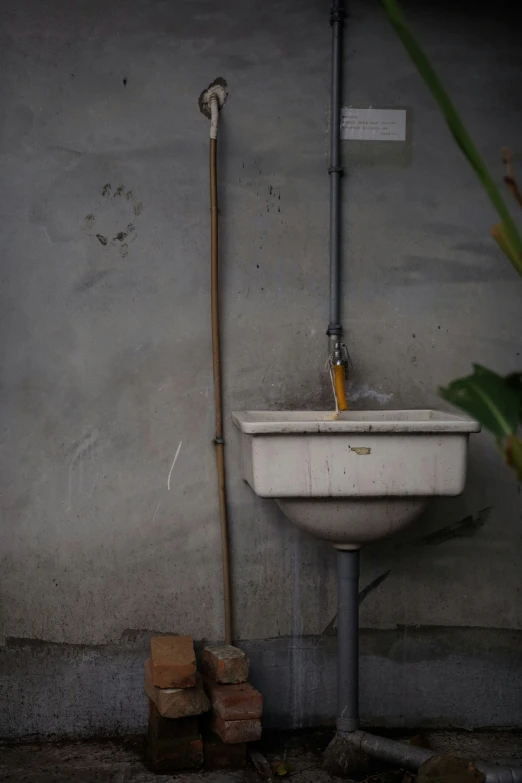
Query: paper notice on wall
{"points": [[373, 124]]}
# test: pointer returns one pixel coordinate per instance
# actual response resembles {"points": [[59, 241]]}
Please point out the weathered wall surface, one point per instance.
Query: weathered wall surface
{"points": [[105, 353]]}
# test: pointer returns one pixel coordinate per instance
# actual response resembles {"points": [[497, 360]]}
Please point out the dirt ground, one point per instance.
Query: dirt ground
{"points": [[124, 760]]}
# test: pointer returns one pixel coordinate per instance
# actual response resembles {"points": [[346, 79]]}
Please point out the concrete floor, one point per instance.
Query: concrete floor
{"points": [[123, 762]]}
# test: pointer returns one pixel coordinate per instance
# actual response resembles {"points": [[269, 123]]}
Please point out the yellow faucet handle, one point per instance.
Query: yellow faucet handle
{"points": [[340, 392]]}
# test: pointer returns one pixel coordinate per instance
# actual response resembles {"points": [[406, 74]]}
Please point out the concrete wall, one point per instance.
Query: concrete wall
{"points": [[105, 353]]}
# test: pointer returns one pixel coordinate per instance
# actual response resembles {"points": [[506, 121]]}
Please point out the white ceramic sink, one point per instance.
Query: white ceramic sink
{"points": [[356, 479]]}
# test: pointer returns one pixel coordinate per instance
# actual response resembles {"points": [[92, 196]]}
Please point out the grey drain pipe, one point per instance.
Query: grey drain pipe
{"points": [[407, 756], [348, 641], [411, 757]]}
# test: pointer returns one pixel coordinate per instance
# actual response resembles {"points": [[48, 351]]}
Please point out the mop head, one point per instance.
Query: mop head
{"points": [[217, 88]]}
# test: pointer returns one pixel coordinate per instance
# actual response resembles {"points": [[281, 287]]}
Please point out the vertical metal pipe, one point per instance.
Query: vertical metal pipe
{"points": [[210, 102], [348, 640], [216, 365], [335, 171]]}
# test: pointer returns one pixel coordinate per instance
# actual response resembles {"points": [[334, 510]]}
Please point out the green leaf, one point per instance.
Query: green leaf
{"points": [[505, 232], [501, 235], [489, 398], [513, 452], [515, 382], [281, 768]]}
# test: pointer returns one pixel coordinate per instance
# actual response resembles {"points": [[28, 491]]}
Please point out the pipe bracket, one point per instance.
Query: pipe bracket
{"points": [[337, 16], [334, 330]]}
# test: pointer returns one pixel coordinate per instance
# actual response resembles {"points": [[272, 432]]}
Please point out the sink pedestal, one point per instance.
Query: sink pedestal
{"points": [[347, 641]]}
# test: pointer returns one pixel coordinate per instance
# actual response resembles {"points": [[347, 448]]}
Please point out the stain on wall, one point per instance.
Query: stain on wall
{"points": [[464, 528], [114, 209]]}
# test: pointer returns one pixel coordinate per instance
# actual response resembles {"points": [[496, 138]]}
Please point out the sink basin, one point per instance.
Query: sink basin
{"points": [[356, 479]]}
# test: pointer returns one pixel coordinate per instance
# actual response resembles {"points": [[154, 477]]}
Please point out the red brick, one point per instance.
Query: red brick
{"points": [[173, 661], [171, 728], [225, 664], [176, 702], [234, 702], [235, 731], [218, 755], [175, 754]]}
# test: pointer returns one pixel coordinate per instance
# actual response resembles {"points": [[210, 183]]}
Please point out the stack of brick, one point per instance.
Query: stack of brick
{"points": [[176, 696], [236, 707]]}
